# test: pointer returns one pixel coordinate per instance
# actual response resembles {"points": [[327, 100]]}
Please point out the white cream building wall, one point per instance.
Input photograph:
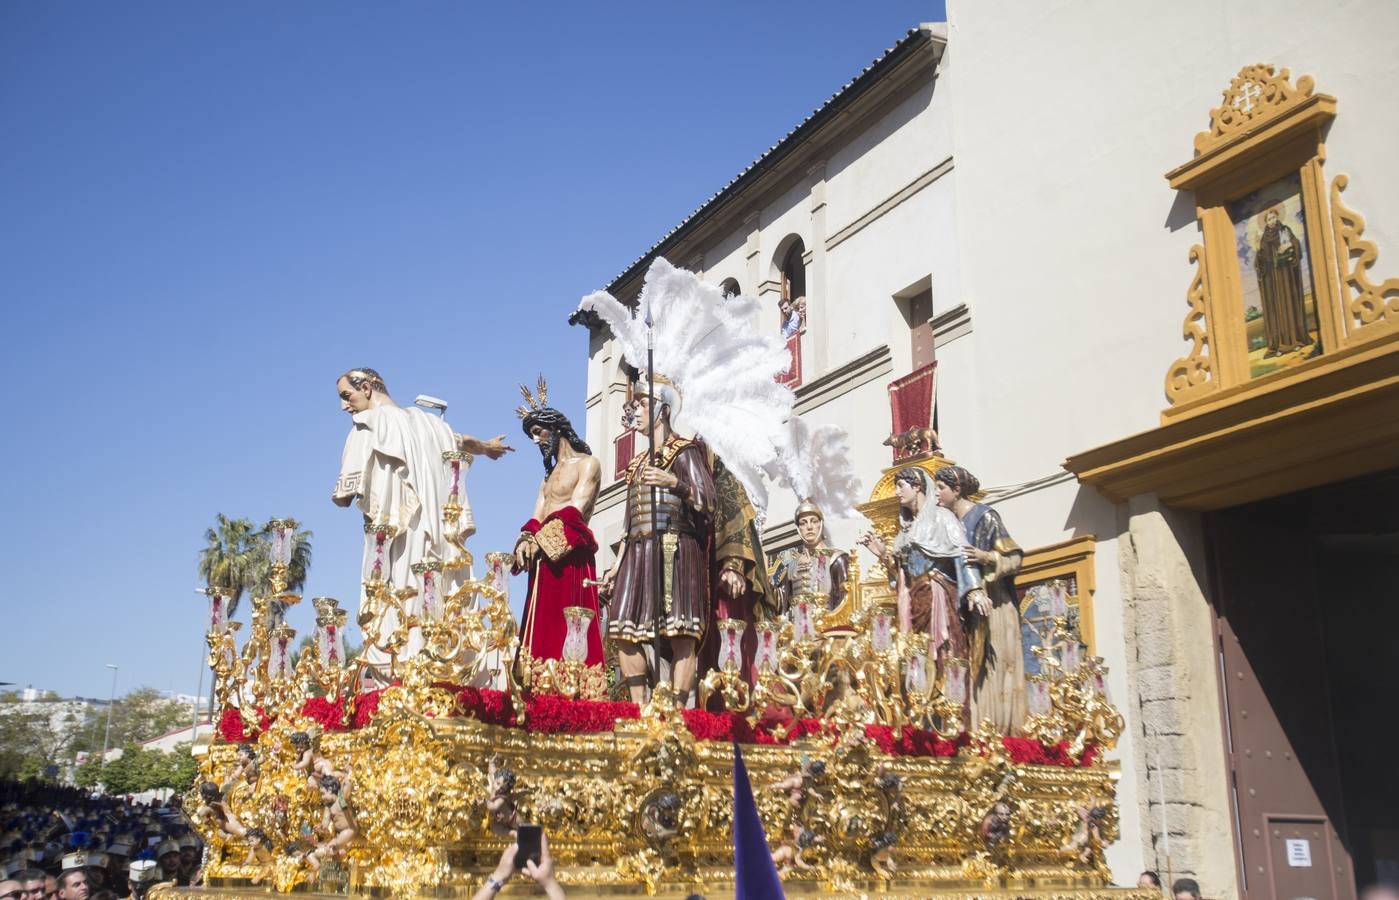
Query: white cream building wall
{"points": [[1057, 229], [850, 287], [1073, 253]]}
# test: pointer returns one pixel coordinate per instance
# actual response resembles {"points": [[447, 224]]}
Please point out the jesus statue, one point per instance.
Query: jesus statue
{"points": [[556, 547], [392, 466]]}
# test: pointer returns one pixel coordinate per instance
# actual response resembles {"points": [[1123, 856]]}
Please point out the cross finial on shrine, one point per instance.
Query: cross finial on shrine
{"points": [[1244, 98]]}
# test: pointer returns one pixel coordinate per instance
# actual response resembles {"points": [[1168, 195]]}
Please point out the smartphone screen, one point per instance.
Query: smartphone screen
{"points": [[527, 840]]}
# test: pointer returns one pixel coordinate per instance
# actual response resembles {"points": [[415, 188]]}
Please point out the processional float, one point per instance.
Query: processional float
{"points": [[868, 777]]}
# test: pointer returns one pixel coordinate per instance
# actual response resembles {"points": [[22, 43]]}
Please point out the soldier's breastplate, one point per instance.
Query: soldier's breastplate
{"points": [[666, 514]]}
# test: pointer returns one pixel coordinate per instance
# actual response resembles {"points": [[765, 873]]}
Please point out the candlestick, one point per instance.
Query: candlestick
{"points": [[575, 642], [882, 628], [429, 577], [955, 679], [731, 644]]}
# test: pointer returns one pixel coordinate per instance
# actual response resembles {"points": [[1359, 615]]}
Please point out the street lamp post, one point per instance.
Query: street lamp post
{"points": [[111, 702]]}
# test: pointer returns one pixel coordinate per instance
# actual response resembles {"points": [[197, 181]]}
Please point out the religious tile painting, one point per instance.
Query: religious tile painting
{"points": [[1036, 616], [1275, 268]]}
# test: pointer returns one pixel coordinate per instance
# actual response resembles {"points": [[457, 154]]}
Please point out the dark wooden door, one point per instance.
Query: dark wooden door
{"points": [[1282, 751]]}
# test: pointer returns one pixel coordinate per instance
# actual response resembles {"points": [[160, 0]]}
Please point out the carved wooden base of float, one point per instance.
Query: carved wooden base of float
{"points": [[645, 808], [899, 890]]}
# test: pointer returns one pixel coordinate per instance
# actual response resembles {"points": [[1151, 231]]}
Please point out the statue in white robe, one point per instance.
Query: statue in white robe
{"points": [[392, 467]]}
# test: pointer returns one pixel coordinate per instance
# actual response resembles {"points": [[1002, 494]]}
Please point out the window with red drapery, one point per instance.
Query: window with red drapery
{"points": [[623, 449], [792, 310], [793, 376], [911, 404]]}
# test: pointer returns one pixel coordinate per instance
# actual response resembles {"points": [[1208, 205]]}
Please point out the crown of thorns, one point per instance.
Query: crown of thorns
{"points": [[535, 403]]}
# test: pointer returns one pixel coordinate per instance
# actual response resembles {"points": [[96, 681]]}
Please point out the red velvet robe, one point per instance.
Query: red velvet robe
{"points": [[556, 585]]}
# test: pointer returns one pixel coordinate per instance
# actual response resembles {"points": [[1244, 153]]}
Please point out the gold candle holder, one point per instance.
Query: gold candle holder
{"points": [[383, 536], [456, 462]]}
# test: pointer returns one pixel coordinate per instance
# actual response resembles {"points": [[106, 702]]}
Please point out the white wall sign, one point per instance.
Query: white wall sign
{"points": [[1299, 853]]}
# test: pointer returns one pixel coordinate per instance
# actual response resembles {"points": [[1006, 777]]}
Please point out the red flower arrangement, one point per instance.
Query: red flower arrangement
{"points": [[233, 730], [328, 712], [909, 741], [555, 714], [1025, 751], [726, 726], [365, 706], [486, 705], [552, 714]]}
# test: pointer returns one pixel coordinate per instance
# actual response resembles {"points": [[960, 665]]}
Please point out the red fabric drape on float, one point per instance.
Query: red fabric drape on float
{"points": [[556, 584]]}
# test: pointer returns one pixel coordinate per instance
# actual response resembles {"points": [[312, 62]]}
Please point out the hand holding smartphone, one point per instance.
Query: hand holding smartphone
{"points": [[527, 839]]}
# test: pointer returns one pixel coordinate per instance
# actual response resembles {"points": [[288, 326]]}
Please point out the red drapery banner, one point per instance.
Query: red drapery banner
{"points": [[793, 376], [911, 400], [623, 449]]}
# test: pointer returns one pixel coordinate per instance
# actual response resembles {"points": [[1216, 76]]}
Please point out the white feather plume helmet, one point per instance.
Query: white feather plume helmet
{"points": [[815, 464], [723, 370]]}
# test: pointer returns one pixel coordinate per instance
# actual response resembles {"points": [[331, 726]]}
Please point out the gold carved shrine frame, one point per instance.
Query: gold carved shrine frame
{"points": [[1234, 432], [1266, 130]]}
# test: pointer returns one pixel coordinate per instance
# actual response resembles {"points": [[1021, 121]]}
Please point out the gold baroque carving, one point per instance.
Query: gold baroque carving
{"points": [[1191, 373], [1367, 303], [1257, 94]]}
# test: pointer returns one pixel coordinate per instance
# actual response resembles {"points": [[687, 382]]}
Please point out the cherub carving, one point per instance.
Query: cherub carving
{"points": [[500, 804], [1088, 836], [882, 855], [337, 827], [311, 763], [800, 785], [788, 855]]}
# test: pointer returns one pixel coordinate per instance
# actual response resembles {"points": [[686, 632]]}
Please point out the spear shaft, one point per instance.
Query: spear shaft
{"points": [[654, 459]]}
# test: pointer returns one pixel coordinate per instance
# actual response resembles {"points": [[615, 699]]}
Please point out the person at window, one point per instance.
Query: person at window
{"points": [[791, 317]]}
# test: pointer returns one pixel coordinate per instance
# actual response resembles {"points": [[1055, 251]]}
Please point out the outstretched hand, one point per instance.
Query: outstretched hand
{"points": [[495, 448], [873, 543]]}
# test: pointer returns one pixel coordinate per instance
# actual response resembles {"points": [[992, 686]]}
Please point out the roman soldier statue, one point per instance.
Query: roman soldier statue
{"points": [[690, 552], [815, 465]]}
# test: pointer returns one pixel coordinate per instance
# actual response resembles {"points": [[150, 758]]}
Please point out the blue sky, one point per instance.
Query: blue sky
{"points": [[208, 211]]}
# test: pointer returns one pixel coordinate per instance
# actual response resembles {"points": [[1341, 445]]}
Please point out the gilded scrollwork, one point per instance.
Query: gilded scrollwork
{"points": [[1367, 303], [1190, 374], [1258, 93]]}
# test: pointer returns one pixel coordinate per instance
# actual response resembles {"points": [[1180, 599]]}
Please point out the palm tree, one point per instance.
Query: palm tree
{"points": [[228, 558]]}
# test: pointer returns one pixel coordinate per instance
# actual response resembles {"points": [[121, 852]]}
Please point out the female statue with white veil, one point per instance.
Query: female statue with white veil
{"points": [[933, 580]]}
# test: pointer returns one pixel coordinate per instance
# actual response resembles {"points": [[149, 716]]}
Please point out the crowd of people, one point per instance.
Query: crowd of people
{"points": [[64, 843]]}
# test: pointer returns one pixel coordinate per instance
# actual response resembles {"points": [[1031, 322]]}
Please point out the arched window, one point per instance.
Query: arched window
{"points": [[730, 288], [794, 272], [792, 302]]}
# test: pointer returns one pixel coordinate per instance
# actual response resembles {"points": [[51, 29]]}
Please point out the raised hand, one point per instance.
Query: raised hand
{"points": [[495, 448]]}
